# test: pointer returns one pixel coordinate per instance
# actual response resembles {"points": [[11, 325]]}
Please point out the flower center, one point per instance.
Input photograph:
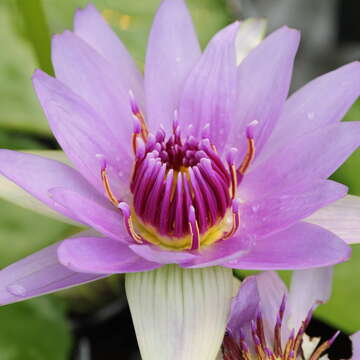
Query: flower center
{"points": [[183, 191]]}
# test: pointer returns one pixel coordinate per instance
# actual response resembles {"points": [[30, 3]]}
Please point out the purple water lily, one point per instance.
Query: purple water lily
{"points": [[268, 322], [203, 162]]}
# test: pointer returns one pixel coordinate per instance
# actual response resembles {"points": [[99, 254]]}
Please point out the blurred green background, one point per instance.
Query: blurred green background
{"points": [[26, 29]]}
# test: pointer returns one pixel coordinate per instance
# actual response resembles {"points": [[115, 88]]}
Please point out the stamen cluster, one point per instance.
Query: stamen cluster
{"points": [[179, 186], [238, 349], [182, 189]]}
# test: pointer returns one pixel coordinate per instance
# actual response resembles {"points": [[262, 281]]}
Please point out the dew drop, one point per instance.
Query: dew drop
{"points": [[255, 208], [16, 290]]}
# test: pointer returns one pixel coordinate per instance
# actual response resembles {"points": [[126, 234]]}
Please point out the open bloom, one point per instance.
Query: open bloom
{"points": [[267, 322], [203, 162]]}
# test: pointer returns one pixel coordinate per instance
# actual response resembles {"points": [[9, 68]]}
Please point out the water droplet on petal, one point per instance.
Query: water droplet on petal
{"points": [[16, 290], [310, 115], [255, 208]]}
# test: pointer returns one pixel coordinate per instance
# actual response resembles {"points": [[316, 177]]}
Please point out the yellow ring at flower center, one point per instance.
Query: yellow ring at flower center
{"points": [[213, 234]]}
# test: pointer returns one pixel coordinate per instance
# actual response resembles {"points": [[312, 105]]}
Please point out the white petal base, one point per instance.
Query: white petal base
{"points": [[180, 314]]}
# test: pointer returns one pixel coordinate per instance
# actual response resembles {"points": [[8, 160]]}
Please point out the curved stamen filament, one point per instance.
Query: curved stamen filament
{"points": [[194, 229], [323, 347], [125, 209], [248, 157], [106, 183], [277, 330], [250, 150], [233, 181], [235, 220], [289, 344], [230, 158], [138, 115]]}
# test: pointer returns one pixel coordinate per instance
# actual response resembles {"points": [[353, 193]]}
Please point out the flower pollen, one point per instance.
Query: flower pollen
{"points": [[184, 194]]}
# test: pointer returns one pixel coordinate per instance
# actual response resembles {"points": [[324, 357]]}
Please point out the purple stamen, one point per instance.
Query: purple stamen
{"points": [[195, 243], [102, 161], [134, 106], [250, 129], [181, 188], [140, 148], [125, 209], [333, 338], [205, 133]]}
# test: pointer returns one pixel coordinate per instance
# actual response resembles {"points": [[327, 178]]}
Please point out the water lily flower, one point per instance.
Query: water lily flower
{"points": [[269, 322], [203, 162]]}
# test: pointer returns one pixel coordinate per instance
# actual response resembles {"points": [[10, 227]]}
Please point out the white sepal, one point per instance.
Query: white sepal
{"points": [[341, 217], [180, 314]]}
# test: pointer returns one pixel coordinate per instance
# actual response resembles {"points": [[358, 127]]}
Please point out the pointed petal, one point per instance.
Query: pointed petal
{"points": [[263, 86], [244, 307], [209, 93], [275, 212], [321, 102], [92, 27], [342, 218], [89, 75], [172, 51], [251, 33], [102, 217], [312, 157], [308, 287], [101, 256], [271, 291], [179, 314], [301, 246], [83, 135], [38, 274], [37, 175]]}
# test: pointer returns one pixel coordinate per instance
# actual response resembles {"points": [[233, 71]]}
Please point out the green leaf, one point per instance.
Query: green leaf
{"points": [[342, 311], [22, 232], [34, 330], [19, 107], [348, 173]]}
